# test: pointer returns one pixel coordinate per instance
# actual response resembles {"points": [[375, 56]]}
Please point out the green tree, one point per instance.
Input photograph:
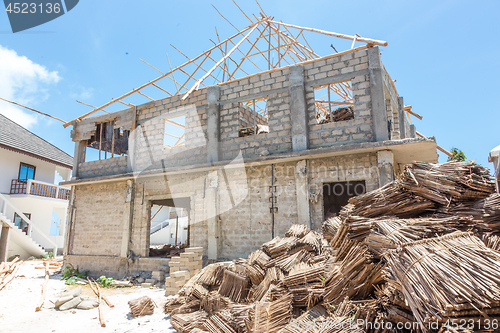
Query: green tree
{"points": [[457, 155]]}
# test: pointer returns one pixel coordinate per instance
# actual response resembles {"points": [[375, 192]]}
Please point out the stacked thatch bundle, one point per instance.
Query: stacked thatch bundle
{"points": [[417, 252]]}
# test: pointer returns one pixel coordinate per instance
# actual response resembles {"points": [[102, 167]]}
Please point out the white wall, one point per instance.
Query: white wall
{"points": [[167, 234], [41, 215], [9, 167]]}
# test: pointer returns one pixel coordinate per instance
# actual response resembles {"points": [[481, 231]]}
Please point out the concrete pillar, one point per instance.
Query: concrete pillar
{"points": [[68, 235], [413, 131], [126, 228], [4, 243], [213, 124], [402, 118], [385, 159], [298, 109], [78, 157], [379, 112], [302, 188], [213, 225], [127, 219]]}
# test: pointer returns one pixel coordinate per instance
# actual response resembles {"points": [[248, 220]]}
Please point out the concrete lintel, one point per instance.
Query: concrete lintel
{"points": [[213, 124], [378, 107], [336, 78], [399, 146], [298, 108]]}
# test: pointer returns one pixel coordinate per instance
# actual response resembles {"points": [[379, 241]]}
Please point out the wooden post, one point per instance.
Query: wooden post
{"points": [[176, 226], [113, 140], [44, 287], [269, 48], [100, 139], [330, 105]]}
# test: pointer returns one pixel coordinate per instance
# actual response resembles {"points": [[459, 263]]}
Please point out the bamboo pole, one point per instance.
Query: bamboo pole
{"points": [[152, 81], [28, 108], [173, 123], [245, 57], [208, 55], [441, 149], [335, 34], [96, 292], [408, 109], [197, 84], [91, 106], [10, 277], [44, 287]]}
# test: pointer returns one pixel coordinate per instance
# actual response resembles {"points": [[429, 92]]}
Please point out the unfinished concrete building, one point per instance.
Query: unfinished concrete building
{"points": [[246, 157]]}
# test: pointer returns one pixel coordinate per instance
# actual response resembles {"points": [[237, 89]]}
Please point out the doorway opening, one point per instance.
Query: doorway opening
{"points": [[337, 194], [169, 227]]}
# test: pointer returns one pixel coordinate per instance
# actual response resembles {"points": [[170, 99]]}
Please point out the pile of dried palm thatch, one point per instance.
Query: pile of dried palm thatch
{"points": [[408, 257]]}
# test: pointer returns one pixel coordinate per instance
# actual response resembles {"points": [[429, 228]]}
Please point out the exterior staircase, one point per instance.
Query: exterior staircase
{"points": [[21, 239], [16, 235]]}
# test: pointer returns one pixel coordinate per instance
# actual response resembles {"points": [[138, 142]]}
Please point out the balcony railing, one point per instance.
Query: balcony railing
{"points": [[38, 188]]}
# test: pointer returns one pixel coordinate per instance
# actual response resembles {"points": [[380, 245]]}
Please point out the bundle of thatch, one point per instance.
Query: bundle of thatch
{"points": [[330, 227], [491, 212], [234, 285], [269, 317], [355, 277], [447, 182], [445, 276], [425, 247], [186, 322], [141, 306]]}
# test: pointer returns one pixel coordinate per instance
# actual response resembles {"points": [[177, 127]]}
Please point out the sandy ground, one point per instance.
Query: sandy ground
{"points": [[20, 297]]}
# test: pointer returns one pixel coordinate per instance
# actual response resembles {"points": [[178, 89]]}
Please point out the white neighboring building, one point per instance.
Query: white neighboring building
{"points": [[495, 159], [169, 225], [32, 206]]}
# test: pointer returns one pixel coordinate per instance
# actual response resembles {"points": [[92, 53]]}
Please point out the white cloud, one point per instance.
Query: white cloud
{"points": [[24, 82]]}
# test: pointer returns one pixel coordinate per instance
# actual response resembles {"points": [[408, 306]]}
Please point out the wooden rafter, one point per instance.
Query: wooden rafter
{"points": [[288, 41]]}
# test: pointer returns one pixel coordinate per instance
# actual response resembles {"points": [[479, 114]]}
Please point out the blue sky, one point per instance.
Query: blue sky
{"points": [[442, 54]]}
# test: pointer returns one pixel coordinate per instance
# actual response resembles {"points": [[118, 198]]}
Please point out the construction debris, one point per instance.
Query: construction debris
{"points": [[421, 251], [141, 306], [8, 271], [44, 287]]}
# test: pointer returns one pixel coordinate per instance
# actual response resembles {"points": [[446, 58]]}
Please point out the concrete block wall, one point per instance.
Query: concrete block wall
{"points": [[351, 67], [247, 118], [242, 209], [272, 85], [147, 150], [392, 105], [340, 169], [110, 166], [98, 220], [84, 129], [190, 186]]}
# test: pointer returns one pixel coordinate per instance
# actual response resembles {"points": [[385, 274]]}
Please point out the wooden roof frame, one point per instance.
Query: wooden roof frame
{"points": [[278, 36]]}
